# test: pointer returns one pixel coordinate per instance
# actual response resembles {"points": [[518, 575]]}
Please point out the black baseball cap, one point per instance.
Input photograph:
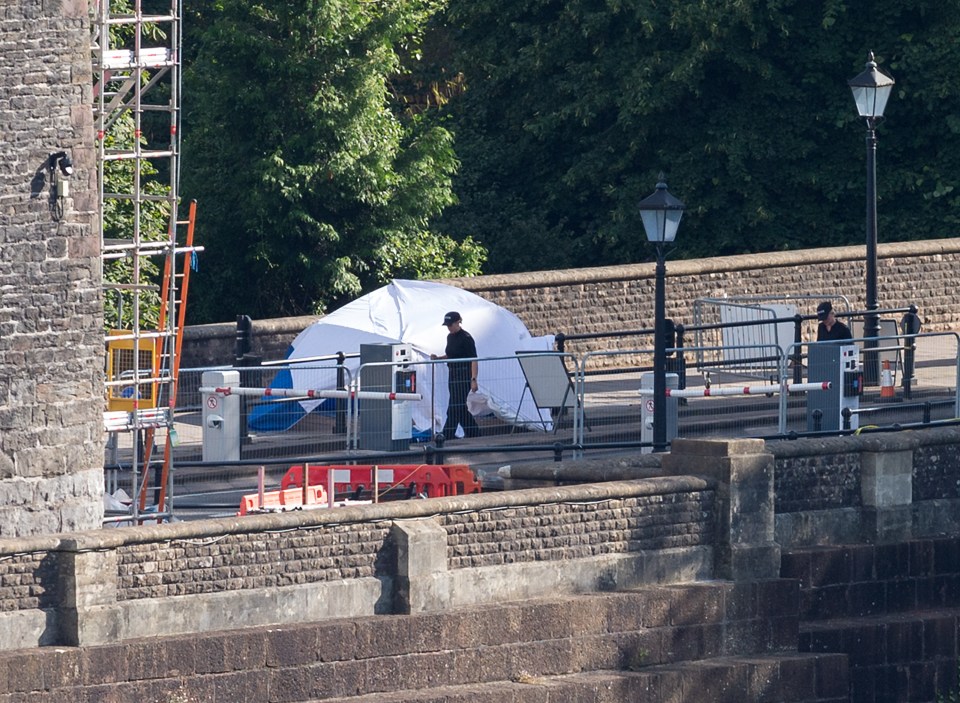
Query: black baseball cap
{"points": [[451, 317], [824, 309]]}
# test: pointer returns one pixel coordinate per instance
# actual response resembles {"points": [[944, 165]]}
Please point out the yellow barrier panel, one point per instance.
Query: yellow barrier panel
{"points": [[130, 395]]}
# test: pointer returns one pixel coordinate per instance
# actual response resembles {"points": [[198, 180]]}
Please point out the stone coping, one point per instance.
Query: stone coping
{"points": [[400, 510], [698, 267], [270, 326], [885, 441]]}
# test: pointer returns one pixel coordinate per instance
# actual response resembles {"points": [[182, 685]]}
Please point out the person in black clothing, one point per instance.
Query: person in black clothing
{"points": [[463, 377], [830, 329]]}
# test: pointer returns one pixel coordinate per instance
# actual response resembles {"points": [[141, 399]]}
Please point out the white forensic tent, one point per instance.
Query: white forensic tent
{"points": [[412, 312]]}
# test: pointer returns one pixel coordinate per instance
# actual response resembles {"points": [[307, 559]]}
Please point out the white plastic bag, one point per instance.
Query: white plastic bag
{"points": [[477, 404]]}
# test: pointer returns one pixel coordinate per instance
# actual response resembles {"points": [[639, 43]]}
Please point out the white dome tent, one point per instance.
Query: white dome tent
{"points": [[411, 312]]}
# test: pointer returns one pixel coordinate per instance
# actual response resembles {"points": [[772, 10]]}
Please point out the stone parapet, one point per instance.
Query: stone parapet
{"points": [[612, 298], [743, 472], [408, 556]]}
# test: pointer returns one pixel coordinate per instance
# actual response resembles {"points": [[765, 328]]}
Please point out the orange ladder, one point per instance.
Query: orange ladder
{"points": [[174, 284]]}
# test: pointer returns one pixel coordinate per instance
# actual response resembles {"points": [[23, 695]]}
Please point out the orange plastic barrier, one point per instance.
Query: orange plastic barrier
{"points": [[434, 480], [289, 499]]}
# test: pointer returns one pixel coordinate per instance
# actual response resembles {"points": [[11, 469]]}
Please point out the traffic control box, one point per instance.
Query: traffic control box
{"points": [[840, 365]]}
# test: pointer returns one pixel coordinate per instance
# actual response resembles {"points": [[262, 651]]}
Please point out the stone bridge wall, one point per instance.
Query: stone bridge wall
{"points": [[710, 514], [124, 583], [613, 298], [630, 579]]}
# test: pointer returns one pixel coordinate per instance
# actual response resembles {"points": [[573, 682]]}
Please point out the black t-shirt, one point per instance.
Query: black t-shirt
{"points": [[837, 332], [460, 345]]}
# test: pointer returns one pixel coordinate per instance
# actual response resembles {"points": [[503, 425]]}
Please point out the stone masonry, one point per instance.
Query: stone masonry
{"points": [[51, 349], [612, 298]]}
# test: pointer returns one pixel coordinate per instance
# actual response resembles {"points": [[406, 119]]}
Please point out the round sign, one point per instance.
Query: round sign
{"points": [[212, 402], [648, 403]]}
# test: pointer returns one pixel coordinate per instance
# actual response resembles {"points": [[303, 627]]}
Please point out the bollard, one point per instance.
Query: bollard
{"points": [[340, 404], [559, 338], [250, 375], [244, 333], [678, 365], [557, 452], [846, 414], [909, 325], [439, 439], [817, 420], [796, 358], [926, 412]]}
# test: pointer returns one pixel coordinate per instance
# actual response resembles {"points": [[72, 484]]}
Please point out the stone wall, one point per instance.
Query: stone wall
{"points": [[827, 473], [51, 348], [616, 298], [106, 585], [892, 609], [718, 642], [253, 561], [721, 508], [612, 298], [879, 486], [575, 530]]}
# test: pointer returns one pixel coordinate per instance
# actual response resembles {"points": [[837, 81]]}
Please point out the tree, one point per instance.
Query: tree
{"points": [[310, 187], [572, 107]]}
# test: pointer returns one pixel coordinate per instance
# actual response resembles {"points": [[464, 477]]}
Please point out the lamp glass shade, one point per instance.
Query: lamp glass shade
{"points": [[661, 214], [871, 101], [871, 90], [661, 225]]}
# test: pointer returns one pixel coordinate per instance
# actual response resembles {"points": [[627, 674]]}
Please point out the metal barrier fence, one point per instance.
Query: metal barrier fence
{"points": [[523, 392], [551, 404], [585, 400]]}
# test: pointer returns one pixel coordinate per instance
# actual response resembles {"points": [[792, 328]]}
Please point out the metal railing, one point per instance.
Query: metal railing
{"points": [[593, 406]]}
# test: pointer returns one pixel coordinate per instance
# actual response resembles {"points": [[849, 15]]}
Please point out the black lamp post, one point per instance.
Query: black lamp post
{"points": [[661, 214], [871, 90]]}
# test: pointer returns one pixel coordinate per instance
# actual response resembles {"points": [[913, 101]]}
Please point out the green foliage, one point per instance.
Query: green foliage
{"points": [[952, 695], [572, 107], [310, 187]]}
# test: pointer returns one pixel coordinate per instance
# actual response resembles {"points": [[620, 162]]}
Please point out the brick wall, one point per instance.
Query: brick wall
{"points": [[51, 349], [821, 481], [168, 578], [825, 474], [29, 581], [535, 532], [936, 472]]}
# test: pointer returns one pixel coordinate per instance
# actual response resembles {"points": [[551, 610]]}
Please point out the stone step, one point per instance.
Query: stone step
{"points": [[802, 678], [901, 656]]}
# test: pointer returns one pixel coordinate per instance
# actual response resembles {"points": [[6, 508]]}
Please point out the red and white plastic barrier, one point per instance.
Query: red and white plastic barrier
{"points": [[743, 390], [310, 393]]}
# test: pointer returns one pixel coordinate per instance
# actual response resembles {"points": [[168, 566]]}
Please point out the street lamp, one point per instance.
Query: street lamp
{"points": [[661, 214], [871, 90]]}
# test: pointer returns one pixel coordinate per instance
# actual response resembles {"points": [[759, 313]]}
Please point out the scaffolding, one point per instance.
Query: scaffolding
{"points": [[136, 50]]}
